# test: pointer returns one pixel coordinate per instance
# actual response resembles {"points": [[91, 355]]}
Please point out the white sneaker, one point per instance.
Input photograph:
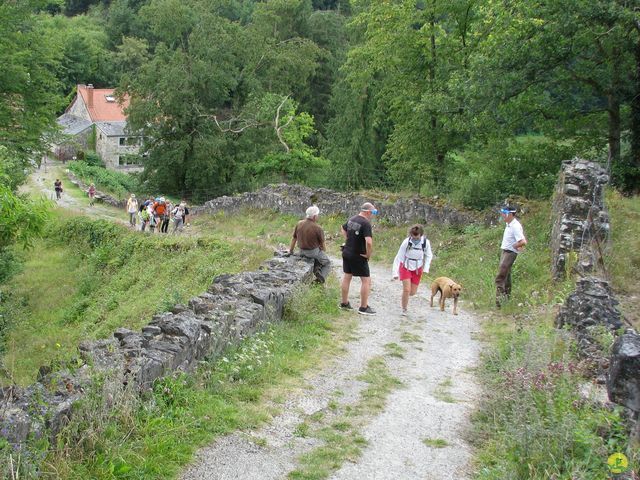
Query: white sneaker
{"points": [[404, 313]]}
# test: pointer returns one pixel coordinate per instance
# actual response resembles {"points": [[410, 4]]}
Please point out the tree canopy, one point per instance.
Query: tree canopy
{"points": [[427, 96]]}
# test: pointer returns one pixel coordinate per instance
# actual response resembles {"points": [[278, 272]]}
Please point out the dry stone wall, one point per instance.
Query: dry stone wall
{"points": [[234, 307], [581, 223], [581, 229], [294, 200]]}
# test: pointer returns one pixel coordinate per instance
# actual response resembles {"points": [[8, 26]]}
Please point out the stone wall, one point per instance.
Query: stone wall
{"points": [[294, 200], [234, 307], [581, 230], [581, 223]]}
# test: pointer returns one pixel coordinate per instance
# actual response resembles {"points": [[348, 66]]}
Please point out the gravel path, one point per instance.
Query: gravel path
{"points": [[439, 391]]}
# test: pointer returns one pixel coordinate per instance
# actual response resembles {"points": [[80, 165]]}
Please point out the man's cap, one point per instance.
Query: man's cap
{"points": [[368, 207], [506, 210]]}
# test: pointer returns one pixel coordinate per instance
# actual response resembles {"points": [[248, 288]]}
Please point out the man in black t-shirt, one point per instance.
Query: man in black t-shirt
{"points": [[356, 252]]}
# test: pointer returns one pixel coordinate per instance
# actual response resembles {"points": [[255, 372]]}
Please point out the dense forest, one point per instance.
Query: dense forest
{"points": [[472, 100]]}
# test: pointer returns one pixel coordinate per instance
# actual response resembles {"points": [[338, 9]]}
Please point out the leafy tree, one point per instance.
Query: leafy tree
{"points": [[29, 89], [201, 109], [123, 21], [558, 67], [411, 52], [21, 219], [327, 30]]}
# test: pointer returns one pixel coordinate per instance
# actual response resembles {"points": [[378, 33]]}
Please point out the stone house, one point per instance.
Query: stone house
{"points": [[96, 120]]}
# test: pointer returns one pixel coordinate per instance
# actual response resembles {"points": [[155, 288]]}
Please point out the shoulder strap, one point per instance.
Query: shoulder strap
{"points": [[408, 245]]}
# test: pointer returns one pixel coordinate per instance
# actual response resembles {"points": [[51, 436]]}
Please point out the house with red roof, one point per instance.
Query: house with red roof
{"points": [[96, 120]]}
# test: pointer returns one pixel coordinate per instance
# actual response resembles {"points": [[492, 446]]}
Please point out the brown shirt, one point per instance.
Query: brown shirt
{"points": [[309, 235]]}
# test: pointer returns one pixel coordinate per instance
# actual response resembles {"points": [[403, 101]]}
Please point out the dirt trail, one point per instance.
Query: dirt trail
{"points": [[438, 395], [41, 182], [439, 353]]}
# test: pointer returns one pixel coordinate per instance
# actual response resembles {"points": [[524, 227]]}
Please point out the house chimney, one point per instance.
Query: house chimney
{"points": [[90, 95]]}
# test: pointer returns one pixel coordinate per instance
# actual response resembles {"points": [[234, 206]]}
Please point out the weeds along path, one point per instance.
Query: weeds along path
{"points": [[394, 405]]}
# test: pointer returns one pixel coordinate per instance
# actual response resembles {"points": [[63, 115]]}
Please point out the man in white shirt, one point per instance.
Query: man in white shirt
{"points": [[513, 242]]}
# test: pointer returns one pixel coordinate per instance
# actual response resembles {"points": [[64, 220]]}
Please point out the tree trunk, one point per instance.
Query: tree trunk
{"points": [[613, 108]]}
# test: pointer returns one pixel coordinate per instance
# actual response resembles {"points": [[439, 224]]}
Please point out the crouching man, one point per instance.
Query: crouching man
{"points": [[310, 238]]}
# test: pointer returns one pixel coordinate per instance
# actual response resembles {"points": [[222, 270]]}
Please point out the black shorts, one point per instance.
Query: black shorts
{"points": [[356, 266]]}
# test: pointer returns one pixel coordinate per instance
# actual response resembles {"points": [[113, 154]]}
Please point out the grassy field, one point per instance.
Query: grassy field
{"points": [[623, 253], [90, 277]]}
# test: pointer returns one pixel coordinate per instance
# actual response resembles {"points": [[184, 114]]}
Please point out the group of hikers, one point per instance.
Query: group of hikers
{"points": [[152, 214], [412, 260], [155, 214]]}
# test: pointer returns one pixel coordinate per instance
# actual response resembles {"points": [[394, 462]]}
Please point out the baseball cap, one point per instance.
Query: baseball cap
{"points": [[368, 207], [507, 210]]}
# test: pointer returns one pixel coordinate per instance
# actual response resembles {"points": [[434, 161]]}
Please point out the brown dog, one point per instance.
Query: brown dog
{"points": [[448, 289]]}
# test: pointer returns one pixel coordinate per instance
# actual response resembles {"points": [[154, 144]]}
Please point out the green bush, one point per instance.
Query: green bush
{"points": [[116, 183], [526, 167], [92, 158]]}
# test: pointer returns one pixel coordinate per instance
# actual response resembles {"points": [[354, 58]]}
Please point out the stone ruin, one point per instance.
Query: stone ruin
{"points": [[234, 307], [294, 200], [581, 223], [581, 229]]}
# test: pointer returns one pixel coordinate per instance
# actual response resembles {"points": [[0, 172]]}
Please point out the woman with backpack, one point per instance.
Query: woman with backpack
{"points": [[413, 258], [178, 217]]}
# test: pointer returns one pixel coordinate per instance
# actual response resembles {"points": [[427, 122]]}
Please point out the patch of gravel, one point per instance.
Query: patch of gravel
{"points": [[438, 395]]}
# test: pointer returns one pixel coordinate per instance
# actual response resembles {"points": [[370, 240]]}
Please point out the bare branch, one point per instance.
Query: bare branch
{"points": [[279, 128]]}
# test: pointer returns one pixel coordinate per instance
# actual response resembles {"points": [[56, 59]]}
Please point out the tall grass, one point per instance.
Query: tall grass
{"points": [[623, 253], [535, 421], [90, 277]]}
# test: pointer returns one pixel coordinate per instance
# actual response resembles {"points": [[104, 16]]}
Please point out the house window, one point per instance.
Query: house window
{"points": [[122, 141]]}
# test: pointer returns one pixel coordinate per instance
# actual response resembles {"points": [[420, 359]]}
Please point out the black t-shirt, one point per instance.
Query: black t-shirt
{"points": [[357, 228]]}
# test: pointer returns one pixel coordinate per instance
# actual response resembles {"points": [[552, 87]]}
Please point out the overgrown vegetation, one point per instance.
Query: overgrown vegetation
{"points": [[109, 181], [623, 252], [535, 421]]}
